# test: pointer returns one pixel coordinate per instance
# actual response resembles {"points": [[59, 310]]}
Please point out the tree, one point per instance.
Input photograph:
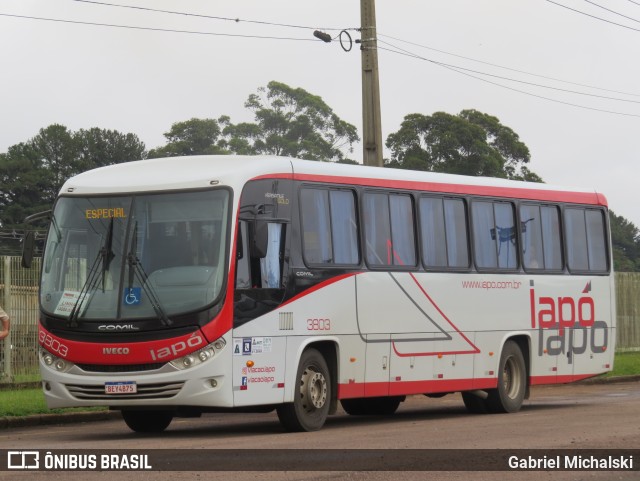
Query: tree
{"points": [[32, 172], [100, 147], [470, 143], [290, 122], [625, 238], [191, 137]]}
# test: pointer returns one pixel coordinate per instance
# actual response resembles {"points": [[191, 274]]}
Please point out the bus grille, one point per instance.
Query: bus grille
{"points": [[145, 391], [119, 367]]}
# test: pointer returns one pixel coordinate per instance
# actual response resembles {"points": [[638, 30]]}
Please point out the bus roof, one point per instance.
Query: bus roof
{"points": [[175, 173]]}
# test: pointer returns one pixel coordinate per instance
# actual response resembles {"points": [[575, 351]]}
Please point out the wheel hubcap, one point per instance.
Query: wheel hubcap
{"points": [[313, 390]]}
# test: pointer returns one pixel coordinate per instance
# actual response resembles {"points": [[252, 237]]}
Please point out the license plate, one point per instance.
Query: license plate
{"points": [[122, 387]]}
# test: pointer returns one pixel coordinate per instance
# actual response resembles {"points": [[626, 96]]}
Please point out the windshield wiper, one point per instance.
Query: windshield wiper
{"points": [[136, 270], [106, 254]]}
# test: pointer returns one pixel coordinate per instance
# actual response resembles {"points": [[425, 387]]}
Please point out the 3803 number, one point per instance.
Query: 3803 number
{"points": [[52, 345], [318, 324]]}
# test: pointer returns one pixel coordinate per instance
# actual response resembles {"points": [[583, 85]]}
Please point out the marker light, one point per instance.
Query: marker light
{"points": [[53, 362], [250, 363], [188, 361], [199, 356]]}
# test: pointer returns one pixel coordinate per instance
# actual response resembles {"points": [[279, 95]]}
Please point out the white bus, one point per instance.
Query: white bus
{"points": [[180, 286]]}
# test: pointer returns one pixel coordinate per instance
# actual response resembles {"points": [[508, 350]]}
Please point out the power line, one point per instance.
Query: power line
{"points": [[212, 17], [592, 16], [511, 79], [611, 11], [299, 39], [454, 69], [511, 69], [153, 29]]}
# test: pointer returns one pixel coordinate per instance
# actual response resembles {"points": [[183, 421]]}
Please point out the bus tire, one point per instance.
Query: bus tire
{"points": [[147, 421], [312, 398], [474, 404], [375, 406], [512, 381]]}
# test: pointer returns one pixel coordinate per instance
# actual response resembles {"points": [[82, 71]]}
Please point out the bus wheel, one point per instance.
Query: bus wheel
{"points": [[512, 381], [474, 404], [147, 421], [375, 406], [312, 399]]}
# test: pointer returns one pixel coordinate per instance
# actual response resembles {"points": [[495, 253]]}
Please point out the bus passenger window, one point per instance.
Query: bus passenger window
{"points": [[495, 236], [596, 241], [444, 232], [377, 230], [329, 223], [541, 242], [316, 225], [344, 228], [576, 239], [389, 231], [586, 241], [402, 234]]}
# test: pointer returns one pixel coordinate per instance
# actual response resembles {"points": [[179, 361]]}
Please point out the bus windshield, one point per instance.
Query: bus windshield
{"points": [[132, 257]]}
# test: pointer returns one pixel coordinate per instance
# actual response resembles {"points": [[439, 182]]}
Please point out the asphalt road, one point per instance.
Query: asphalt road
{"points": [[579, 416]]}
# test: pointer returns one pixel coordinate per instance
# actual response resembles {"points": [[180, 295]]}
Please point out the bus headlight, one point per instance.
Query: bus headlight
{"points": [[201, 355], [53, 362], [48, 359]]}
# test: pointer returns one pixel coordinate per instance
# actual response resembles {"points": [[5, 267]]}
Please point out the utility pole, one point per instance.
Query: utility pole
{"points": [[371, 125]]}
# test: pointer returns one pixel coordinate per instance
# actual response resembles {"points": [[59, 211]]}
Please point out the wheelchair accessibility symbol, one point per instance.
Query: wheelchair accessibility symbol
{"points": [[132, 296]]}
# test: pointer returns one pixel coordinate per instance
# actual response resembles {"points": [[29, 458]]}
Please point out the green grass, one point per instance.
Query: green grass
{"points": [[23, 402], [625, 364]]}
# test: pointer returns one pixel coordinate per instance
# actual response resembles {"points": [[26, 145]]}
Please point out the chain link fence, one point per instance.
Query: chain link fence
{"points": [[628, 312], [19, 297]]}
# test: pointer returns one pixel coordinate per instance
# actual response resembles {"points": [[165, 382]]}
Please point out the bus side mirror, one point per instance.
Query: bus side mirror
{"points": [[258, 238], [28, 248]]}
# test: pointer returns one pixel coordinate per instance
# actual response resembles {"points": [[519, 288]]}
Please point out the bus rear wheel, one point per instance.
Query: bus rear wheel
{"points": [[512, 381], [147, 421], [312, 398]]}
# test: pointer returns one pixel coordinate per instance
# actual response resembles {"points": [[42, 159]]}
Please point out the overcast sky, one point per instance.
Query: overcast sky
{"points": [[142, 81]]}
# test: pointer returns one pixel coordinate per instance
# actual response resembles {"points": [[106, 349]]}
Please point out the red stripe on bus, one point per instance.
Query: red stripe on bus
{"points": [[474, 348], [121, 353], [405, 388], [223, 322], [592, 198], [317, 287], [560, 379]]}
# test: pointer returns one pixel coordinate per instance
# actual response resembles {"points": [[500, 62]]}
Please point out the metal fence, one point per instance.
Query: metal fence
{"points": [[628, 315], [19, 297]]}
